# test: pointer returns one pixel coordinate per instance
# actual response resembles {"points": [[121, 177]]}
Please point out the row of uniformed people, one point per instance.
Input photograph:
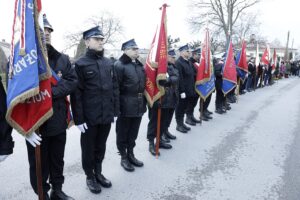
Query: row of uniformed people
{"points": [[101, 90]]}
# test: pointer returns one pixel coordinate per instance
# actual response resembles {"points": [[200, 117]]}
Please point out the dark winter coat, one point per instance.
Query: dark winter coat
{"points": [[186, 77], [132, 79], [218, 74], [6, 143], [170, 99], [61, 65], [251, 68], [96, 99]]}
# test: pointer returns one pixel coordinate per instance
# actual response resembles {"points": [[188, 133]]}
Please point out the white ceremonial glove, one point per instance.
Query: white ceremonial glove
{"points": [[33, 139], [115, 119], [3, 157], [167, 75], [82, 127], [182, 95]]}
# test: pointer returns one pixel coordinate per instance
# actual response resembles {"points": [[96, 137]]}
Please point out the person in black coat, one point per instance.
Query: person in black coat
{"points": [[53, 131], [131, 78], [220, 99], [251, 75], [186, 87], [194, 60], [6, 141], [168, 104], [95, 103]]}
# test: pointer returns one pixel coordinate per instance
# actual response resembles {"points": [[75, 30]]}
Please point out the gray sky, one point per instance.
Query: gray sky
{"points": [[140, 18]]}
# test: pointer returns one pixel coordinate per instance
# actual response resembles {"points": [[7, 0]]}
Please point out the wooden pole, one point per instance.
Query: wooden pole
{"points": [[238, 90], [39, 172], [254, 81], [158, 129], [201, 109]]}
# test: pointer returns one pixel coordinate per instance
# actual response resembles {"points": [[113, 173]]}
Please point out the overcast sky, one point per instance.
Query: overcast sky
{"points": [[140, 18]]}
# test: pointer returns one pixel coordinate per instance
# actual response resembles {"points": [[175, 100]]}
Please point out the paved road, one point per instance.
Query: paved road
{"points": [[252, 152]]}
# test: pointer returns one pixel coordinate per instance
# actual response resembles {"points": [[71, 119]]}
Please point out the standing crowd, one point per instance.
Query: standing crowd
{"points": [[102, 91]]}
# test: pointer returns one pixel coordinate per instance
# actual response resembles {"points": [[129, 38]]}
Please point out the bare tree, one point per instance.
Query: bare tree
{"points": [[195, 44], [172, 41], [245, 26], [110, 25], [222, 14]]}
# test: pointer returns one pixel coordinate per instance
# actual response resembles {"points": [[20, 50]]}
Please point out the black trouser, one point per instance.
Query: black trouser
{"points": [[127, 130], [6, 140], [169, 116], [205, 103], [93, 146], [220, 98], [165, 120], [180, 110], [52, 159], [191, 104]]}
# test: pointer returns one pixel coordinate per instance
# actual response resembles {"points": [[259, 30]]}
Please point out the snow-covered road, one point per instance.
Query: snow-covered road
{"points": [[250, 153]]}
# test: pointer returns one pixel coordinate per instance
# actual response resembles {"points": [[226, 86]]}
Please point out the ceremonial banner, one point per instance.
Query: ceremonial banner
{"points": [[265, 59], [156, 63], [205, 80], [274, 61], [29, 97], [229, 71], [241, 62]]}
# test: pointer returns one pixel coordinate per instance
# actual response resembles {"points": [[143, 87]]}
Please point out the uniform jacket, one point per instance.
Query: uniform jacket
{"points": [[186, 77], [96, 99], [170, 99], [61, 65], [6, 143], [132, 79]]}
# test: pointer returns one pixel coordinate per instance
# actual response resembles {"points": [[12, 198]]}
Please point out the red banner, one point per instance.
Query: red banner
{"points": [[265, 59], [156, 63]]}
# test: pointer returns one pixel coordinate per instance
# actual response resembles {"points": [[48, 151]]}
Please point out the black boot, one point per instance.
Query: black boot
{"points": [[169, 135], [181, 129], [194, 119], [164, 138], [104, 182], [125, 163], [93, 185], [152, 148], [189, 121], [186, 127], [163, 145], [207, 115], [132, 159], [204, 118], [59, 195], [219, 111], [208, 112], [100, 178]]}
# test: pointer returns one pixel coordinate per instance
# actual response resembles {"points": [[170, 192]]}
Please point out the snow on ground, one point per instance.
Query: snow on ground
{"points": [[244, 154]]}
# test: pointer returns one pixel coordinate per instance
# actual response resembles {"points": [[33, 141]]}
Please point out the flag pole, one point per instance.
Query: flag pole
{"points": [[201, 109], [38, 166], [158, 129], [238, 89]]}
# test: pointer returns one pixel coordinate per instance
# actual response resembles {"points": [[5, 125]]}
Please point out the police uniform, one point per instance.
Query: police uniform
{"points": [[95, 103], [187, 86], [53, 131], [168, 104], [131, 78], [220, 99]]}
